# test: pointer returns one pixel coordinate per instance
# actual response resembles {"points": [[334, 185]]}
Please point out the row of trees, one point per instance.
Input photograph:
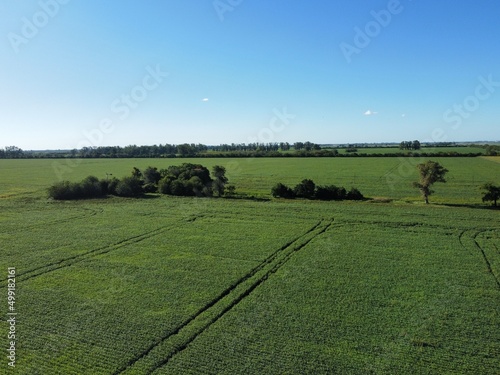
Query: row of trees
{"points": [[184, 180], [307, 189], [492, 150], [410, 145], [185, 149], [11, 152]]}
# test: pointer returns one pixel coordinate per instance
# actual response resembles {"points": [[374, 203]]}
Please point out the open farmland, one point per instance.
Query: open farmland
{"points": [[376, 177], [168, 285]]}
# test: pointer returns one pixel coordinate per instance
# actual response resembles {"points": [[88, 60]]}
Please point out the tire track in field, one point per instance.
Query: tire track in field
{"points": [[472, 235], [209, 314], [485, 257], [93, 212], [462, 242], [69, 261]]}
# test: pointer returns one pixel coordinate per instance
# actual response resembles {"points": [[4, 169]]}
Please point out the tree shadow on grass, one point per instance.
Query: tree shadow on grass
{"points": [[474, 206]]}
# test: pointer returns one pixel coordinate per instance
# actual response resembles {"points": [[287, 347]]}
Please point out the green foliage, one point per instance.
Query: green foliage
{"points": [[282, 191], [90, 187], [354, 195], [430, 172], [330, 192], [305, 189], [308, 189], [129, 187], [151, 175], [186, 180], [220, 180], [491, 193]]}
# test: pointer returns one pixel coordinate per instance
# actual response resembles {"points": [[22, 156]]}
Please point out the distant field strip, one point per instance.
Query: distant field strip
{"points": [[495, 159], [159, 354]]}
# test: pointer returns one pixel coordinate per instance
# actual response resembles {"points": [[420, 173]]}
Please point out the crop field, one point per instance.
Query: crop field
{"points": [[171, 285], [389, 178], [428, 150]]}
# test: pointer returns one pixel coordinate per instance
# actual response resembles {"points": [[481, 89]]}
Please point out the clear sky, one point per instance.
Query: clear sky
{"points": [[85, 72]]}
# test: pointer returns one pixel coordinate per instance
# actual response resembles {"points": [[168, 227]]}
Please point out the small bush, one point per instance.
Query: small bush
{"points": [[88, 188], [129, 187], [282, 191], [328, 193], [354, 195], [305, 189], [177, 188]]}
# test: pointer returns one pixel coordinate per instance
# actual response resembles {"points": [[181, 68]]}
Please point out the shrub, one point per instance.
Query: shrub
{"points": [[111, 186], [354, 195], [129, 187], [187, 179], [194, 186], [164, 185], [151, 175], [88, 188], [282, 191], [305, 189], [328, 193], [177, 188], [63, 190]]}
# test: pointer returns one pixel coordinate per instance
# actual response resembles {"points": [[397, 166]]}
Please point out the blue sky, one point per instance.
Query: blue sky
{"points": [[92, 73]]}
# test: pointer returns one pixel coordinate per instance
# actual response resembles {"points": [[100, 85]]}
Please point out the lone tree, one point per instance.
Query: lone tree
{"points": [[220, 181], [430, 172], [491, 193]]}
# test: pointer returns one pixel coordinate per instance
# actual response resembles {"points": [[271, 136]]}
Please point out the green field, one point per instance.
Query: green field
{"points": [[428, 150], [376, 177], [165, 285]]}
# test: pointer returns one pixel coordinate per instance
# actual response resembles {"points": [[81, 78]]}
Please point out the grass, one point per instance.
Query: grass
{"points": [[428, 150], [375, 177], [213, 286]]}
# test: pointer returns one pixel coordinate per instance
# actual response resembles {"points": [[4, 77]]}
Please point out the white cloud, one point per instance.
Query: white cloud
{"points": [[204, 100], [370, 113]]}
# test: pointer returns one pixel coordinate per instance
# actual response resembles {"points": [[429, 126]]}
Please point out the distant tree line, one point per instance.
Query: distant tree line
{"points": [[241, 150], [11, 152], [184, 180], [410, 145], [307, 189], [492, 150]]}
